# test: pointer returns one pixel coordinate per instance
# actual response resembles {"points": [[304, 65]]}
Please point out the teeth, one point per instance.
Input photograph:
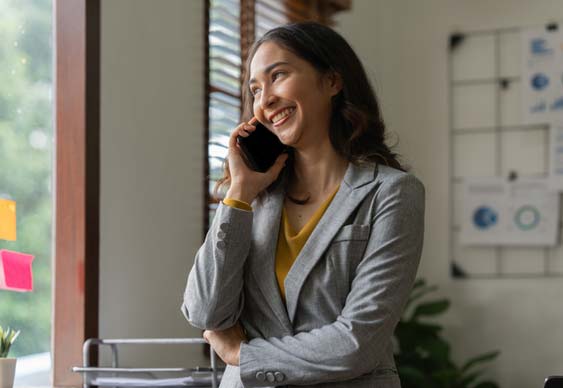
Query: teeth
{"points": [[282, 114]]}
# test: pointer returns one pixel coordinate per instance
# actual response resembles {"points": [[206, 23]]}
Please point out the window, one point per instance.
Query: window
{"points": [[26, 175], [232, 27], [31, 150], [224, 85]]}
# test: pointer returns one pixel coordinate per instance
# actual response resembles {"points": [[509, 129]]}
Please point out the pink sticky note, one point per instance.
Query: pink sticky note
{"points": [[15, 271]]}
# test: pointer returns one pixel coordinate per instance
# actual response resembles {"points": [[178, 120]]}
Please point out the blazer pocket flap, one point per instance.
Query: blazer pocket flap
{"points": [[352, 232]]}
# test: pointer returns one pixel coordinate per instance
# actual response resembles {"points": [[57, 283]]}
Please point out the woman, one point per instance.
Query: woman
{"points": [[304, 273]]}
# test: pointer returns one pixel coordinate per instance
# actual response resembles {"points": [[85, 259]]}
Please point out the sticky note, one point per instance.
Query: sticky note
{"points": [[15, 271], [7, 220]]}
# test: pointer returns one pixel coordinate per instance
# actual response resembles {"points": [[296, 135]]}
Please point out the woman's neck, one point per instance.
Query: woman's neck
{"points": [[317, 171]]}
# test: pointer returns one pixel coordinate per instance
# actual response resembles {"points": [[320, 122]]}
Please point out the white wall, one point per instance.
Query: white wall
{"points": [[404, 46], [152, 106]]}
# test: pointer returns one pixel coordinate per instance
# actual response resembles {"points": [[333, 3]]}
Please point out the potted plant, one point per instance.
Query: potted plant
{"points": [[423, 355], [7, 365]]}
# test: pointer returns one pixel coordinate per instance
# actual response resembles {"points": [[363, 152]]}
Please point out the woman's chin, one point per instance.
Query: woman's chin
{"points": [[288, 139]]}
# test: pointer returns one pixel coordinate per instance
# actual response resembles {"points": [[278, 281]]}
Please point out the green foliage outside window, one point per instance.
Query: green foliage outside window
{"points": [[26, 153]]}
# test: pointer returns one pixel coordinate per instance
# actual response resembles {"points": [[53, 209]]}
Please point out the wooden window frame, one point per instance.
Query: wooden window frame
{"points": [[77, 167]]}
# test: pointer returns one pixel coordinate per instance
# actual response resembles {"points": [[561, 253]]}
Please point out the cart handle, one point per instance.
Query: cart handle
{"points": [[112, 343]]}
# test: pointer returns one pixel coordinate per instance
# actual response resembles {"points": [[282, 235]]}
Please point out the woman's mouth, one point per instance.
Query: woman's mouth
{"points": [[283, 116]]}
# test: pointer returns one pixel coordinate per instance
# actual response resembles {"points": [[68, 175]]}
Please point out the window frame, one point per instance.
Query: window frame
{"points": [[77, 183]]}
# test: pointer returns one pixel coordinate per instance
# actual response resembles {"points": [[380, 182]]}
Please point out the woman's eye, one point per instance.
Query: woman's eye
{"points": [[276, 74], [254, 91]]}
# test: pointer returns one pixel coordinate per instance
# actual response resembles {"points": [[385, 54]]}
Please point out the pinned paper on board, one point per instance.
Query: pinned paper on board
{"points": [[15, 271], [520, 213], [542, 75], [556, 156], [7, 219]]}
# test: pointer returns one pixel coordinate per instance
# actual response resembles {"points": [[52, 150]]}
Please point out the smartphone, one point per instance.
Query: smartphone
{"points": [[553, 382], [261, 148]]}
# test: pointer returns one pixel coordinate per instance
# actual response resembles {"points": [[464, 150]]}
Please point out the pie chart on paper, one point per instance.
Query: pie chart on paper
{"points": [[485, 217]]}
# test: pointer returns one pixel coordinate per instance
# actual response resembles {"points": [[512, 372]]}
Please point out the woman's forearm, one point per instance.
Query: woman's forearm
{"points": [[214, 293]]}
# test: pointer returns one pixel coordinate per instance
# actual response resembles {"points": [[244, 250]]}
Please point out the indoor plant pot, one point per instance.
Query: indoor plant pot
{"points": [[7, 365], [7, 372]]}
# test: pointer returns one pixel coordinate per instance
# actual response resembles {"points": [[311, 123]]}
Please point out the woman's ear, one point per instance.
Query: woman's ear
{"points": [[334, 83]]}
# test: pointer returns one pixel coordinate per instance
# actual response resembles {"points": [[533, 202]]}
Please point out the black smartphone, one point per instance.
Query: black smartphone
{"points": [[553, 382], [261, 148]]}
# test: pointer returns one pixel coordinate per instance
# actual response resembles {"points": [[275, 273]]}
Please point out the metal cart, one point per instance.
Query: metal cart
{"points": [[115, 376]]}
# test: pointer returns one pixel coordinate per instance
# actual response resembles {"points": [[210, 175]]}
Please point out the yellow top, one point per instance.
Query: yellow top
{"points": [[291, 243]]}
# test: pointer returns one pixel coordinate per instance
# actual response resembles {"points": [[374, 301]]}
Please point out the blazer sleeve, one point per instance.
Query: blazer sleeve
{"points": [[213, 299], [353, 344]]}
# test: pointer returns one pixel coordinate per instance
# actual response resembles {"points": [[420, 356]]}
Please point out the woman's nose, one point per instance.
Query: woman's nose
{"points": [[267, 99]]}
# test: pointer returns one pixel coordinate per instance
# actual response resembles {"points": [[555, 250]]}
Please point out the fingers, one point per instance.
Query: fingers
{"points": [[243, 130], [278, 165], [247, 129]]}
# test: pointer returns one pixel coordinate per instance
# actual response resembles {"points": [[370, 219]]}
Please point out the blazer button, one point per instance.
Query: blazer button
{"points": [[270, 377], [221, 235], [221, 245], [260, 376], [224, 226], [279, 376]]}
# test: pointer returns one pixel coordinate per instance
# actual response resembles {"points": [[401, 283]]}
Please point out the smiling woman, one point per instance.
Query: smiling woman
{"points": [[306, 268]]}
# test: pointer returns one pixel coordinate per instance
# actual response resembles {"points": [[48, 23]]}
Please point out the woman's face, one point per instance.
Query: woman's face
{"points": [[290, 96]]}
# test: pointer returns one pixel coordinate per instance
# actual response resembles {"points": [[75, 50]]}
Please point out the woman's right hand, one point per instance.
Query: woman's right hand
{"points": [[246, 183]]}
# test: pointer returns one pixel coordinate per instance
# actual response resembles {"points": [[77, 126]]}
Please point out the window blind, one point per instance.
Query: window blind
{"points": [[224, 85]]}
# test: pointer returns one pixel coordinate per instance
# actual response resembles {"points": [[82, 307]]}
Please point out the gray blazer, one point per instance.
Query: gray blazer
{"points": [[345, 292]]}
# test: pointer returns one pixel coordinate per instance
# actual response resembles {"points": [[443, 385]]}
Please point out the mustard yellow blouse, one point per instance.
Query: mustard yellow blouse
{"points": [[290, 243]]}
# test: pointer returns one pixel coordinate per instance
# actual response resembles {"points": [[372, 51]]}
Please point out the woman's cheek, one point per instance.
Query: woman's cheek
{"points": [[256, 110]]}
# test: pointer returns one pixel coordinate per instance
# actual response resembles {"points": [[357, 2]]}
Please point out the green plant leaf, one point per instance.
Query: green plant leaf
{"points": [[410, 334], [480, 359], [7, 338], [411, 375], [420, 329], [415, 296], [436, 349], [420, 282], [431, 308], [469, 378], [446, 377]]}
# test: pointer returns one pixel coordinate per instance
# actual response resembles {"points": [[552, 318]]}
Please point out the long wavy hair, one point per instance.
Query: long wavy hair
{"points": [[357, 130]]}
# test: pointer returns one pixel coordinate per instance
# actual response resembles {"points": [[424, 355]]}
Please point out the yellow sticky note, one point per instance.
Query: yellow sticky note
{"points": [[7, 220]]}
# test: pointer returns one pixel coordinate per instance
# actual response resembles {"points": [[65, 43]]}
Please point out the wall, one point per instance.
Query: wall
{"points": [[152, 106], [404, 46]]}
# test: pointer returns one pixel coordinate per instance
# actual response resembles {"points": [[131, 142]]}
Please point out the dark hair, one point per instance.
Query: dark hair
{"points": [[357, 131]]}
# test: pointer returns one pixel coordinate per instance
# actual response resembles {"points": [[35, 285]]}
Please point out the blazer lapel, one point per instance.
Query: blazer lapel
{"points": [[357, 183], [266, 226]]}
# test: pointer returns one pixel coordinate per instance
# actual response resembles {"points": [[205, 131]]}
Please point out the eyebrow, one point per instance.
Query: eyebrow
{"points": [[268, 69]]}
